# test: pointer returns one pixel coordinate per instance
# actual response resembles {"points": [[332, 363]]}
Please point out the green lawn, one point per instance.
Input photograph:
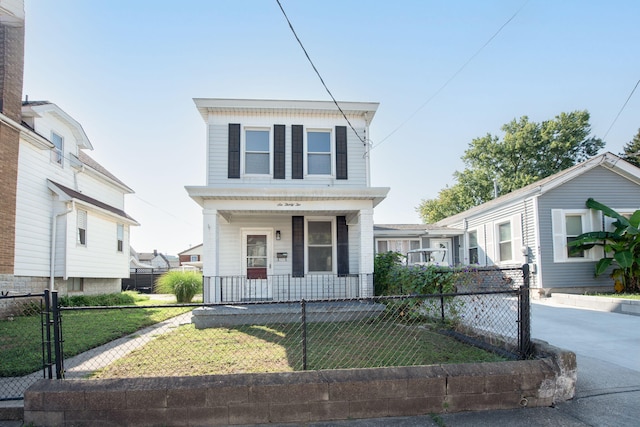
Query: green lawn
{"points": [[267, 348]]}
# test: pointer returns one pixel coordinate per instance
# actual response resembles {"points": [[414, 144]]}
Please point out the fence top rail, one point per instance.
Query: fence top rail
{"points": [[7, 295]]}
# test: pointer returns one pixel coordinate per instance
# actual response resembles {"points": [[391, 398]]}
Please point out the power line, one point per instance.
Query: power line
{"points": [[621, 109], [437, 92], [318, 73]]}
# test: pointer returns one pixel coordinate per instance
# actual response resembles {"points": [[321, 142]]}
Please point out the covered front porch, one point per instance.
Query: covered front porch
{"points": [[287, 244]]}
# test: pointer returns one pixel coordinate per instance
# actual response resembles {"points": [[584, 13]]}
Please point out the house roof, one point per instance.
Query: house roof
{"points": [[607, 160], [207, 105], [37, 108], [90, 162], [190, 249], [73, 194], [380, 230]]}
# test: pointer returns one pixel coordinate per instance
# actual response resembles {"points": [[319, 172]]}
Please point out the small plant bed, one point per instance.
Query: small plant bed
{"points": [[21, 337], [187, 351]]}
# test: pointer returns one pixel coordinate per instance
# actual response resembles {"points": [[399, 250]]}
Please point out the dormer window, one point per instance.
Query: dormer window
{"points": [[57, 151]]}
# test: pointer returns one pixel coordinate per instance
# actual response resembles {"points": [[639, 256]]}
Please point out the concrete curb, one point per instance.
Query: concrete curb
{"points": [[599, 303]]}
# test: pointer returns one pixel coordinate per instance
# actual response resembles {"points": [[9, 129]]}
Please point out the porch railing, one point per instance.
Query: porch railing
{"points": [[286, 287]]}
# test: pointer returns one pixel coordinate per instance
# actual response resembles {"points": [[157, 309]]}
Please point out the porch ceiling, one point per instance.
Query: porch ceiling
{"points": [[295, 194]]}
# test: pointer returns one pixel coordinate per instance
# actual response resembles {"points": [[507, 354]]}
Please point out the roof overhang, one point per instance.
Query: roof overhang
{"points": [[78, 132], [235, 106]]}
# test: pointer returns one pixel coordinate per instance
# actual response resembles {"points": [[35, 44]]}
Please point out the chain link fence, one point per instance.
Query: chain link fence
{"points": [[22, 343], [485, 319]]}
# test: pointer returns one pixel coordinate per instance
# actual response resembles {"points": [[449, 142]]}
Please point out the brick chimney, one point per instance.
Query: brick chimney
{"points": [[11, 76]]}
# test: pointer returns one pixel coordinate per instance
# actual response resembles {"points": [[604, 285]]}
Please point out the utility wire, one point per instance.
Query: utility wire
{"points": [[318, 73], [437, 92], [621, 109]]}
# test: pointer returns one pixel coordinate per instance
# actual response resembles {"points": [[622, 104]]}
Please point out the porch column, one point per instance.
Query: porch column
{"points": [[366, 252], [210, 266]]}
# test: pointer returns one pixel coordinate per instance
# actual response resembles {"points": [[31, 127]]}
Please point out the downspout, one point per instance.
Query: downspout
{"points": [[52, 265]]}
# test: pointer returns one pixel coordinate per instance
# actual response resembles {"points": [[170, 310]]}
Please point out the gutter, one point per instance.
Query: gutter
{"points": [[52, 265]]}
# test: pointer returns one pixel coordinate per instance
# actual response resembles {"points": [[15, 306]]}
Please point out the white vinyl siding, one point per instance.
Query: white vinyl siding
{"points": [[218, 145]]}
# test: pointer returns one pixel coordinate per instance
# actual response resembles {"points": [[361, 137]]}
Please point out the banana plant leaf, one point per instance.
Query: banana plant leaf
{"points": [[624, 259], [602, 265]]}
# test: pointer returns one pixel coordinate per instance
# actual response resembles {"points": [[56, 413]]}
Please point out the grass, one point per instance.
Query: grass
{"points": [[277, 348], [616, 295], [21, 337], [267, 348]]}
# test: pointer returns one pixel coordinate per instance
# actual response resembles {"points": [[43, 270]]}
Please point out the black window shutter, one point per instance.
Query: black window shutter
{"points": [[233, 165], [297, 152], [342, 231], [278, 152], [341, 152], [297, 249]]}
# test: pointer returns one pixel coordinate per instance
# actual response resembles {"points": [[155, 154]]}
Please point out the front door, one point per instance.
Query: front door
{"points": [[256, 263]]}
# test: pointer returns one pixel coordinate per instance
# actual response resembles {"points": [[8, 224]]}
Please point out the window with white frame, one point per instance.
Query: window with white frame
{"points": [[318, 153], [57, 154], [473, 247], [82, 228], [257, 152], [320, 246], [120, 237], [396, 245], [567, 225], [505, 242]]}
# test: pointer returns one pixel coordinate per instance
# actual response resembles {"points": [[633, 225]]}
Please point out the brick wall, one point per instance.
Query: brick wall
{"points": [[11, 76], [299, 397]]}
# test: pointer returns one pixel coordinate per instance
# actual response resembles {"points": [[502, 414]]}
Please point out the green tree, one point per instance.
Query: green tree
{"points": [[621, 247], [527, 152], [632, 150]]}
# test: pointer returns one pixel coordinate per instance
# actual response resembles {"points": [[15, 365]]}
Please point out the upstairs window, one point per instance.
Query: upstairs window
{"points": [[256, 160], [120, 237], [82, 228], [58, 147], [318, 153]]}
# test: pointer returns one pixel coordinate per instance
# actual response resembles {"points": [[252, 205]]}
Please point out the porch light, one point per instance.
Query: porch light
{"points": [[277, 234]]}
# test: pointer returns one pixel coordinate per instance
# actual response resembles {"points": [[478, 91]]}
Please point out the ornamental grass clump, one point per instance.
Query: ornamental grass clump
{"points": [[183, 284]]}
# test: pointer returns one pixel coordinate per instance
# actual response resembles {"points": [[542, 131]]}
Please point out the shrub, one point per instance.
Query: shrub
{"points": [[105, 300], [383, 266], [183, 284]]}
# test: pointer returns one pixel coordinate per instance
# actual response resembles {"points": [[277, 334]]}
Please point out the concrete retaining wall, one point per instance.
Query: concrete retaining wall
{"points": [[298, 397], [615, 305]]}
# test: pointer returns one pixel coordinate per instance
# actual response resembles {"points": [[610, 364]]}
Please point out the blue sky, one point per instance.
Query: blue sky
{"points": [[128, 71]]}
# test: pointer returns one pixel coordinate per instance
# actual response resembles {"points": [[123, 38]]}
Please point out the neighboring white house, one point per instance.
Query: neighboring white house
{"points": [[287, 205], [191, 257], [71, 230], [533, 224]]}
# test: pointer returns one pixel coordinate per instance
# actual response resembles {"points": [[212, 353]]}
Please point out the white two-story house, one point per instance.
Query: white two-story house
{"points": [[71, 230], [287, 205]]}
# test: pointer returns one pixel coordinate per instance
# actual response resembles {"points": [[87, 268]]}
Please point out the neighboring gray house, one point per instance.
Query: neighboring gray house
{"points": [[533, 224], [404, 237]]}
